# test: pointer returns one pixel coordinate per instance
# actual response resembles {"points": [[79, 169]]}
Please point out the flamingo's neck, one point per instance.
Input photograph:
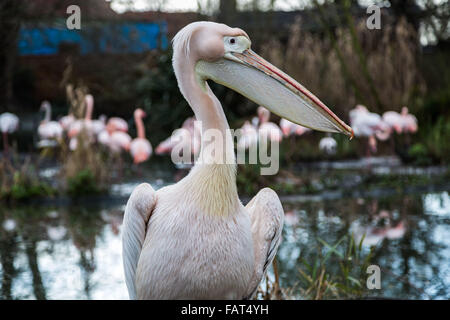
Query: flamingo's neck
{"points": [[48, 114], [213, 178], [89, 109], [139, 126]]}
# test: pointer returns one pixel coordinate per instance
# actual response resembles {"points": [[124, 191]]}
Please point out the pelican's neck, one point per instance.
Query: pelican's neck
{"points": [[139, 126], [215, 181], [201, 99]]}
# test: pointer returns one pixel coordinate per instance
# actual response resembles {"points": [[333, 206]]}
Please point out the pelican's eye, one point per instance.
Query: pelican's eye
{"points": [[236, 44]]}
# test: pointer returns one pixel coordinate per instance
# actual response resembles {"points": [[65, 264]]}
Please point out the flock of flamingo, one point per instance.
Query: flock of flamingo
{"points": [[113, 132], [365, 124]]}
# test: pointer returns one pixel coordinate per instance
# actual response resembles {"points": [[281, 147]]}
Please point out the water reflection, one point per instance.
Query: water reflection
{"points": [[411, 235], [75, 253]]}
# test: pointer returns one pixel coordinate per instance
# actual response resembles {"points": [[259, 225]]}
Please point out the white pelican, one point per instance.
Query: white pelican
{"points": [[9, 123], [194, 239]]}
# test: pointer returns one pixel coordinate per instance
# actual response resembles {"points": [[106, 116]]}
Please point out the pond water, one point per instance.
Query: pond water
{"points": [[52, 251]]}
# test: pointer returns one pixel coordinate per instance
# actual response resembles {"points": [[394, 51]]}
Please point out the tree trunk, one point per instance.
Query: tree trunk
{"points": [[10, 18], [227, 11]]}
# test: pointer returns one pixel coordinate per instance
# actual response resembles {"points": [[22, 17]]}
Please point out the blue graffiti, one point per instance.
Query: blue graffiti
{"points": [[110, 38]]}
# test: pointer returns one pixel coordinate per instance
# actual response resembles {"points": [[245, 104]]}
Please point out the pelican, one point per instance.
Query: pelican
{"points": [[195, 239]]}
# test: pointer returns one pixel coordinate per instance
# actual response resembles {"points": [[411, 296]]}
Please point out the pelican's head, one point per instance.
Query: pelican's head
{"points": [[224, 55]]}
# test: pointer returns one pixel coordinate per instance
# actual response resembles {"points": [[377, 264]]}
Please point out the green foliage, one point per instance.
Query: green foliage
{"points": [[152, 86], [21, 183], [23, 189], [249, 179], [83, 183], [420, 154], [87, 169], [335, 271], [436, 140]]}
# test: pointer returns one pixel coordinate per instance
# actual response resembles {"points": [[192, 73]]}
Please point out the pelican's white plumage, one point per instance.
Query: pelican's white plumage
{"points": [[195, 239]]}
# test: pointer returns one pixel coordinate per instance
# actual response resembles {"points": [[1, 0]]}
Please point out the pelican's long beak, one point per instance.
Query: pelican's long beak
{"points": [[265, 84]]}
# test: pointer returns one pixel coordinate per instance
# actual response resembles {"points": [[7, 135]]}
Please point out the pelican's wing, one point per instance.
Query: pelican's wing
{"points": [[137, 213], [267, 218]]}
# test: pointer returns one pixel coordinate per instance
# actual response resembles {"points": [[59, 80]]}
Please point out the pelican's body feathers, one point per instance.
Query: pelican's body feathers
{"points": [[195, 239]]}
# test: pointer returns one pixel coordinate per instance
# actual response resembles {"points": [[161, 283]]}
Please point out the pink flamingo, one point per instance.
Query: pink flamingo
{"points": [[189, 135], [401, 122], [120, 141], [394, 120], [116, 141], [49, 130], [67, 121], [81, 124], [249, 136], [9, 123], [396, 232], [140, 148], [104, 137], [409, 121], [288, 128], [370, 125], [268, 129], [118, 124], [93, 127]]}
